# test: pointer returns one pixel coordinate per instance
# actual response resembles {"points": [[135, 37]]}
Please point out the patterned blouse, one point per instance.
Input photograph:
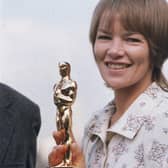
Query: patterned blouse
{"points": [[139, 139]]}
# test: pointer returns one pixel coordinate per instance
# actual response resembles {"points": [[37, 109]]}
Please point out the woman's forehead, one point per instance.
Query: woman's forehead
{"points": [[108, 21], [128, 21]]}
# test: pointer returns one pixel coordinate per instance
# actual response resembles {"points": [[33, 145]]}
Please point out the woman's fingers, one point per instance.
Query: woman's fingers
{"points": [[77, 156], [59, 136], [76, 151], [57, 155]]}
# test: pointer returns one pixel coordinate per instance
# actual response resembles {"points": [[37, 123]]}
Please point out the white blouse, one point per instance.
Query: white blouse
{"points": [[139, 139]]}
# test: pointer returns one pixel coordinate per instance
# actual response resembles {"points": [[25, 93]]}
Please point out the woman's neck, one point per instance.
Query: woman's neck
{"points": [[126, 96]]}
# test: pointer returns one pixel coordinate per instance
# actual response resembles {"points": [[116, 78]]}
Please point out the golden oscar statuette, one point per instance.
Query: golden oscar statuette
{"points": [[64, 97]]}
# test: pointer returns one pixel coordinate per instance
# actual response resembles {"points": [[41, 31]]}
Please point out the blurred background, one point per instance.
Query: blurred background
{"points": [[34, 36]]}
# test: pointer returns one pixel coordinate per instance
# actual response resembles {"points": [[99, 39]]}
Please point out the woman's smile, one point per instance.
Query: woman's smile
{"points": [[117, 66]]}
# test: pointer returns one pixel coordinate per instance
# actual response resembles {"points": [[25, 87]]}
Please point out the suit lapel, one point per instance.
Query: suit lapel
{"points": [[6, 121]]}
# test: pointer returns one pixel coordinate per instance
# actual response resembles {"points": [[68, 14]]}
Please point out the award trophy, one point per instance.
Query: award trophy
{"points": [[64, 97]]}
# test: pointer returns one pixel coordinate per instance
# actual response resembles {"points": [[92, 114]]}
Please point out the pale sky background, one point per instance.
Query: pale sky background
{"points": [[34, 36]]}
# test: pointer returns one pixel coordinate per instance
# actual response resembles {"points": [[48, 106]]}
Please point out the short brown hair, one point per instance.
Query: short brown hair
{"points": [[148, 17]]}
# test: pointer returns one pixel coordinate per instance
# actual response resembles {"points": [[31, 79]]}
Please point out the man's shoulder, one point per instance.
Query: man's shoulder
{"points": [[24, 110], [8, 93]]}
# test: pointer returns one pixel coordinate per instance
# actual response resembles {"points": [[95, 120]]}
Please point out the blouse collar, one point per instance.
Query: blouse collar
{"points": [[139, 113]]}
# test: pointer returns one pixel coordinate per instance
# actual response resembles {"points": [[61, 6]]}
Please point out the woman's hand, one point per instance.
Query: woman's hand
{"points": [[57, 154]]}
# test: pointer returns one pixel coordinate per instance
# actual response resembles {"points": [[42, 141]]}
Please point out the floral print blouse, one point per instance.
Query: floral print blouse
{"points": [[139, 139]]}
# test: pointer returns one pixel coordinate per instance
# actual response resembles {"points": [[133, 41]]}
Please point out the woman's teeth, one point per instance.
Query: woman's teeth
{"points": [[117, 66]]}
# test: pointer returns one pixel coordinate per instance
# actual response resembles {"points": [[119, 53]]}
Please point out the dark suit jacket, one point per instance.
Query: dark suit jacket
{"points": [[19, 127]]}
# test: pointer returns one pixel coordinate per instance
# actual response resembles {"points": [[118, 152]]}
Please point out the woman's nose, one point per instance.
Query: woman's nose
{"points": [[116, 48]]}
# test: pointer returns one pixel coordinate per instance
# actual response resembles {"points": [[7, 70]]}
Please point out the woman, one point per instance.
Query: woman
{"points": [[129, 40]]}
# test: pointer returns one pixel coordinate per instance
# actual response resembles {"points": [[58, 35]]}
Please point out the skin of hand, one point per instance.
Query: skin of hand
{"points": [[57, 154]]}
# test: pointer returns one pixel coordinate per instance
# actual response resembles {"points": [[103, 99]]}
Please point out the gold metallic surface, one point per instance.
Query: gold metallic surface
{"points": [[64, 97]]}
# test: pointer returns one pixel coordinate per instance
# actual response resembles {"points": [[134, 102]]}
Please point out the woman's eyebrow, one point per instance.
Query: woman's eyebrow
{"points": [[132, 33], [101, 30]]}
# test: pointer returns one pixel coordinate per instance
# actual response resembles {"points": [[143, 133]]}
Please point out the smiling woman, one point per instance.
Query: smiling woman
{"points": [[129, 40]]}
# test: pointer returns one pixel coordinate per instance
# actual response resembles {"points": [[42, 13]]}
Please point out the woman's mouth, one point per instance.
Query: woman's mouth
{"points": [[117, 66]]}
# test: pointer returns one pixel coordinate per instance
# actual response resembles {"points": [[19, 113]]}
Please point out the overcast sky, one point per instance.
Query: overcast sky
{"points": [[35, 36]]}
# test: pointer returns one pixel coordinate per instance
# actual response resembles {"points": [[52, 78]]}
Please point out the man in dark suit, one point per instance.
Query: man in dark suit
{"points": [[19, 126]]}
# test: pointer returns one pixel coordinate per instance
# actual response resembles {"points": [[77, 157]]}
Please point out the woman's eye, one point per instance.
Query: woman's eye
{"points": [[134, 40], [103, 37]]}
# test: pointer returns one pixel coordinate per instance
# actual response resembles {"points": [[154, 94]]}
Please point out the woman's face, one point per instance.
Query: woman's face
{"points": [[122, 56]]}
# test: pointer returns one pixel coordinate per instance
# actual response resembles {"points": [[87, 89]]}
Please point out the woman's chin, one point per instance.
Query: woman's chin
{"points": [[114, 86]]}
